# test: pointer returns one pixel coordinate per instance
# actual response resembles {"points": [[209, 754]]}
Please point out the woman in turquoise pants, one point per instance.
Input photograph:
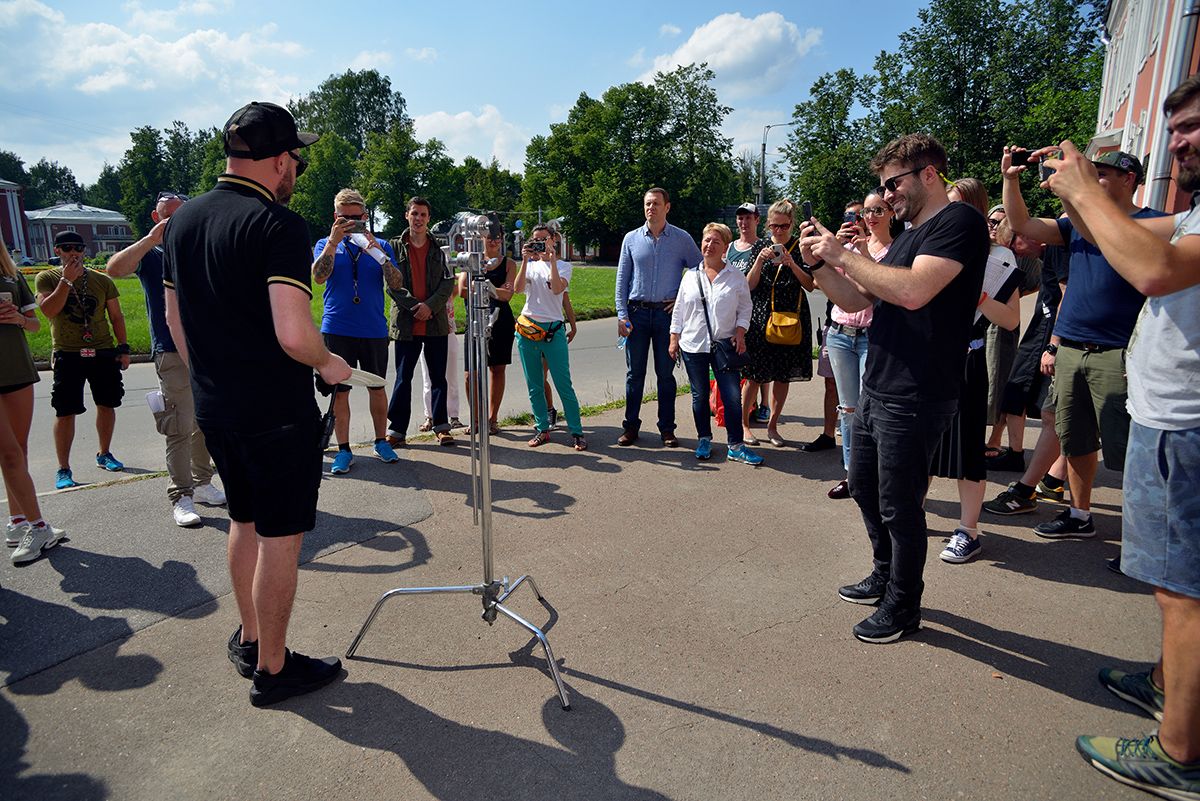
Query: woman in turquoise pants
{"points": [[544, 279]]}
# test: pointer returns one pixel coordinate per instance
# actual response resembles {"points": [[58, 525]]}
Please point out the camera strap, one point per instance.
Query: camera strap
{"points": [[354, 257]]}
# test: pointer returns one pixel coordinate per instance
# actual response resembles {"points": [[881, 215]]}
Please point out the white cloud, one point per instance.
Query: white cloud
{"points": [[370, 59], [481, 135], [668, 29], [428, 54], [749, 56], [16, 11], [637, 59], [169, 20]]}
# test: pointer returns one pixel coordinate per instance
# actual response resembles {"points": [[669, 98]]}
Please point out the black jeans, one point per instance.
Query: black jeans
{"points": [[889, 476], [407, 354]]}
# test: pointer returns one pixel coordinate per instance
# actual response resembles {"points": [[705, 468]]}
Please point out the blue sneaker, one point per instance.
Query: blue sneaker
{"points": [[109, 462], [63, 479], [385, 452], [740, 453], [341, 463], [961, 548], [763, 415], [704, 449]]}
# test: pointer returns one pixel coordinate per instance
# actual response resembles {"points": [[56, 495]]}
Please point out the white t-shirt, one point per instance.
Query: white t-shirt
{"points": [[540, 303], [1163, 359]]}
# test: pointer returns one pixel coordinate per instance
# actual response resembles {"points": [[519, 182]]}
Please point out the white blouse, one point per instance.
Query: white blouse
{"points": [[729, 307]]}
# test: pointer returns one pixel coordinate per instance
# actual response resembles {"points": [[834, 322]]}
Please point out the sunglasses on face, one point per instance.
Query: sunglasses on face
{"points": [[993, 223], [779, 226], [347, 216], [170, 196], [71, 248], [301, 164], [893, 183], [874, 211]]}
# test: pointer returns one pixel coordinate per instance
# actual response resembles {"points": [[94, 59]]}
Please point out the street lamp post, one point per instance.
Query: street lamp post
{"points": [[762, 161]]}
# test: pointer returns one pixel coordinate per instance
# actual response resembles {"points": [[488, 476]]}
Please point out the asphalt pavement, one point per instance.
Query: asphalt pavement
{"points": [[692, 607]]}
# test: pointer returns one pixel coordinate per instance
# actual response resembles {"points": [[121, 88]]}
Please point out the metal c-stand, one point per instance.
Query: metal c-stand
{"points": [[480, 317]]}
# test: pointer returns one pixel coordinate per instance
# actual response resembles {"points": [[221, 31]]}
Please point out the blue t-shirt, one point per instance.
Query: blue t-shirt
{"points": [[150, 273], [342, 315], [1100, 306]]}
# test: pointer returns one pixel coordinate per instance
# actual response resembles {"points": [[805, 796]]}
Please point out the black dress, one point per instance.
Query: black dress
{"points": [[768, 361], [504, 328]]}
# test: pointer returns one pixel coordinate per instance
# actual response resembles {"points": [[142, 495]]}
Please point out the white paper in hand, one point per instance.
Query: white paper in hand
{"points": [[361, 378], [376, 253]]}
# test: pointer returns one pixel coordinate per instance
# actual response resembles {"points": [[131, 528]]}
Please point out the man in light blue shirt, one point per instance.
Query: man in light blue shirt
{"points": [[652, 262]]}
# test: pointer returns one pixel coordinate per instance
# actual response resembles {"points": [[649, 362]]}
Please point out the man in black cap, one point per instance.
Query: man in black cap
{"points": [[236, 272], [87, 330], [1086, 353]]}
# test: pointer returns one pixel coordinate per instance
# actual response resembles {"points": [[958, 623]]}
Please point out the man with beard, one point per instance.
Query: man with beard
{"points": [[1161, 516], [925, 292], [236, 271]]}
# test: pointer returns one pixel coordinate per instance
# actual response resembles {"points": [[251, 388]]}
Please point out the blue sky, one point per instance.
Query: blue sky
{"points": [[76, 77]]}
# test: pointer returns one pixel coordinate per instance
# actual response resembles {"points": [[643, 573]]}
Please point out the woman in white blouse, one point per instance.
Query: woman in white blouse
{"points": [[713, 297]]}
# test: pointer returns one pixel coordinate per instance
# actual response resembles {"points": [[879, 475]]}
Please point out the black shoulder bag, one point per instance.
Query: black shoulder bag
{"points": [[725, 357]]}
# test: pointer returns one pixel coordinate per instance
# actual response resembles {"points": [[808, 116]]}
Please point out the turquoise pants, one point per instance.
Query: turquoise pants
{"points": [[555, 354]]}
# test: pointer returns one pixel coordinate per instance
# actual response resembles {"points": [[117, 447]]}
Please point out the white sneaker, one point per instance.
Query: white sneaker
{"points": [[34, 541], [209, 495], [185, 513], [14, 534]]}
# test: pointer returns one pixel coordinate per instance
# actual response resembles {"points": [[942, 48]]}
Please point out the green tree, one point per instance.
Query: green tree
{"points": [[12, 168], [490, 187], [184, 154], [386, 171], [330, 169], [352, 105], [212, 163], [438, 180], [143, 174], [106, 192], [51, 183]]}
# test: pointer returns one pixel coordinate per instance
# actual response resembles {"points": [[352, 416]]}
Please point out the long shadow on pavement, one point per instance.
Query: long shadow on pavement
{"points": [[38, 787]]}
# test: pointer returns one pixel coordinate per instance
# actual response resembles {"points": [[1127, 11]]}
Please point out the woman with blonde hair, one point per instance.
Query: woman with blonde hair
{"points": [[777, 284], [26, 530]]}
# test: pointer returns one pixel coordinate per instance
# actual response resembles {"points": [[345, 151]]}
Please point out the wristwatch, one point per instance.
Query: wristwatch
{"points": [[1052, 349]]}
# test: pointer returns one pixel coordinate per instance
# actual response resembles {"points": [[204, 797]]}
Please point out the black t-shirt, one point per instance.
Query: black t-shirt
{"points": [[918, 355], [221, 251]]}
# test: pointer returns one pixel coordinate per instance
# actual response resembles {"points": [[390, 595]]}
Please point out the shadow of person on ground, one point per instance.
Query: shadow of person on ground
{"points": [[393, 542], [36, 787], [101, 581]]}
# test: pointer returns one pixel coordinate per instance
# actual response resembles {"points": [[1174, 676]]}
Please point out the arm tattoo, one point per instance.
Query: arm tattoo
{"points": [[392, 275], [323, 266]]}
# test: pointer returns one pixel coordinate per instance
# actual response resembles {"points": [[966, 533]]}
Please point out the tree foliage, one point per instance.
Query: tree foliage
{"points": [[352, 105], [330, 169], [143, 174], [106, 192], [51, 183]]}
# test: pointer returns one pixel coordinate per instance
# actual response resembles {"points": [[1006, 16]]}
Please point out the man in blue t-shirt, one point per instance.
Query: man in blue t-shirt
{"points": [[1086, 354], [353, 264], [188, 463]]}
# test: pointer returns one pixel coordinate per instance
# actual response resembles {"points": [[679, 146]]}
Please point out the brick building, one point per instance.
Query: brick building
{"points": [[103, 231]]}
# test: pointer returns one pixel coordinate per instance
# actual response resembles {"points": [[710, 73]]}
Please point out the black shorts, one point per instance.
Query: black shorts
{"points": [[271, 477], [102, 372], [365, 353]]}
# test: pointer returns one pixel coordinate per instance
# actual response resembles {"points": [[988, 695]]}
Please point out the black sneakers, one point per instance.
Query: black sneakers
{"points": [[300, 674], [243, 656], [1064, 525], [869, 591], [888, 624]]}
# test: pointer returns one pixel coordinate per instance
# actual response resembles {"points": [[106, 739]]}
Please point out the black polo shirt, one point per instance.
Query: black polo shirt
{"points": [[919, 355], [221, 251]]}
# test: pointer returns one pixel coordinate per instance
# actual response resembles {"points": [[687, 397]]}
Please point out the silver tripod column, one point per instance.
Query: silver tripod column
{"points": [[480, 317]]}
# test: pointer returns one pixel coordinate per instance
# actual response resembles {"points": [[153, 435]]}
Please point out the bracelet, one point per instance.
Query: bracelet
{"points": [[1052, 349], [817, 266], [123, 349], [67, 282]]}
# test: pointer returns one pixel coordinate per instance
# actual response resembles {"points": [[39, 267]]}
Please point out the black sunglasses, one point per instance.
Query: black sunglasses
{"points": [[301, 164], [170, 196], [71, 248], [893, 183]]}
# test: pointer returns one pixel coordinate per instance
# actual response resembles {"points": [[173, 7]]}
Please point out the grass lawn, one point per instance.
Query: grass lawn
{"points": [[592, 290]]}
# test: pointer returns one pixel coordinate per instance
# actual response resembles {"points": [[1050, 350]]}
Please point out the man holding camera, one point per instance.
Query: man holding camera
{"points": [[1160, 257], [925, 291], [1086, 354], [651, 266], [236, 270], [353, 322], [188, 462], [419, 322], [87, 332]]}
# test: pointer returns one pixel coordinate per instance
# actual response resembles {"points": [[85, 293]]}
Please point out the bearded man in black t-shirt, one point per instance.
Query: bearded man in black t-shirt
{"points": [[925, 292]]}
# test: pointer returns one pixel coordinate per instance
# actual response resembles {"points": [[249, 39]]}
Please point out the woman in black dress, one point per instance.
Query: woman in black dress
{"points": [[776, 281], [502, 274]]}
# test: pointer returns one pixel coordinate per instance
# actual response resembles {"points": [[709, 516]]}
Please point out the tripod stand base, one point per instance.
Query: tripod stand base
{"points": [[493, 596]]}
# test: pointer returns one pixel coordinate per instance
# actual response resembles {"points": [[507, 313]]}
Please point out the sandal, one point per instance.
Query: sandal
{"points": [[493, 429], [995, 453], [445, 438], [427, 425], [540, 438], [580, 442]]}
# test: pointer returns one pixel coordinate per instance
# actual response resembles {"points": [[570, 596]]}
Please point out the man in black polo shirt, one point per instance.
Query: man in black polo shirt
{"points": [[236, 272], [925, 292]]}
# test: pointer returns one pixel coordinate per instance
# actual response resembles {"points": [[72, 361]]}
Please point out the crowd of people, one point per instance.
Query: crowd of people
{"points": [[920, 350]]}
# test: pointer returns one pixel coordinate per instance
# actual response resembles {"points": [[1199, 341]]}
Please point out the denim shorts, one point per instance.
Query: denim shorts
{"points": [[1160, 543]]}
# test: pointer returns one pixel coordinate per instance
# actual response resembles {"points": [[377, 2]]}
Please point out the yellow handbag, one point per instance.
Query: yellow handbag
{"points": [[783, 327]]}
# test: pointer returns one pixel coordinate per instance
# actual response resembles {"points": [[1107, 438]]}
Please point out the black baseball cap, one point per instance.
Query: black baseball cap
{"points": [[266, 129], [67, 238]]}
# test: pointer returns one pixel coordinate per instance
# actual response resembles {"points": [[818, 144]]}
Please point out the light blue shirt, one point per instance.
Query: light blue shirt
{"points": [[650, 269]]}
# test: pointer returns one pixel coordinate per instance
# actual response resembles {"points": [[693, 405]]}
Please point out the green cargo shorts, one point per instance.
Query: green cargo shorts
{"points": [[1090, 412]]}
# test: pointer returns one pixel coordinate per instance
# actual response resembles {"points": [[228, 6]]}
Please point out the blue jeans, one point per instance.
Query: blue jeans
{"points": [[889, 475], [651, 327], [728, 384], [408, 353], [848, 358]]}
